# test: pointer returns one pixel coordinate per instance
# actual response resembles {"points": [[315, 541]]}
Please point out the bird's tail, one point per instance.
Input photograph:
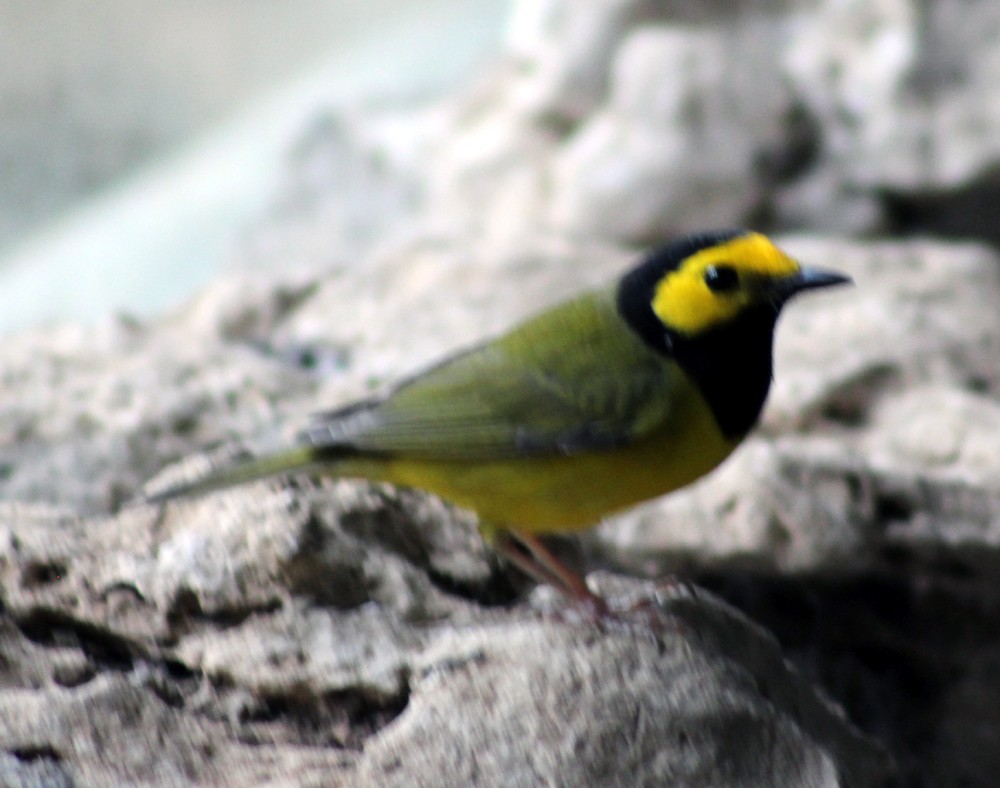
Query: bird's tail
{"points": [[220, 475]]}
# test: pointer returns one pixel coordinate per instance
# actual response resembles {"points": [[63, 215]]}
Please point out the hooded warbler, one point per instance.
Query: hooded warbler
{"points": [[611, 398]]}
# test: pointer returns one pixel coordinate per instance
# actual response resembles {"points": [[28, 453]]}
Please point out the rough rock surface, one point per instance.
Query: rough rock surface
{"points": [[344, 633], [346, 636], [629, 120]]}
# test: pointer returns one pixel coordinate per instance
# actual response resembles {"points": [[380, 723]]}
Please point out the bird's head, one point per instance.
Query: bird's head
{"points": [[714, 284], [704, 282]]}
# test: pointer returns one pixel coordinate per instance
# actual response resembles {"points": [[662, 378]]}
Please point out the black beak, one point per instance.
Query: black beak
{"points": [[806, 279]]}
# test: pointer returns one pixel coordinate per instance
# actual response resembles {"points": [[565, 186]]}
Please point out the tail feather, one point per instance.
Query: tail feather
{"points": [[219, 478]]}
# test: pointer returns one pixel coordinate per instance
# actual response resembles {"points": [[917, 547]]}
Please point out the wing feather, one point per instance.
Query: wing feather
{"points": [[575, 379]]}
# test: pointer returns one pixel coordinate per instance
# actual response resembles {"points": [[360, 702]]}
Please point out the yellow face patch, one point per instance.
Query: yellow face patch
{"points": [[684, 302]]}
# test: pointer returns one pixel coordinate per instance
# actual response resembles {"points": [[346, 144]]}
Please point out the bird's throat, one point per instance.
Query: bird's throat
{"points": [[731, 365]]}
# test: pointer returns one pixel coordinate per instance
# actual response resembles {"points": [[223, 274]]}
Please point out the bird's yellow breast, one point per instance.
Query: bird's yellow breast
{"points": [[563, 493]]}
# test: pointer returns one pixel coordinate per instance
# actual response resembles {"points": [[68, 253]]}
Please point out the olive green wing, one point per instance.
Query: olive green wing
{"points": [[574, 379]]}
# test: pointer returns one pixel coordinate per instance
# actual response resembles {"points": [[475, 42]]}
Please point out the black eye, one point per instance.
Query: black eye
{"points": [[721, 278]]}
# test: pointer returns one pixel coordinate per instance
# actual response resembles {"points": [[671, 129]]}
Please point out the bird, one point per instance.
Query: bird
{"points": [[611, 398]]}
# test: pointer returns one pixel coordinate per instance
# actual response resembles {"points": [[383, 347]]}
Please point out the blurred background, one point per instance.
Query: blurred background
{"points": [[137, 139], [146, 148]]}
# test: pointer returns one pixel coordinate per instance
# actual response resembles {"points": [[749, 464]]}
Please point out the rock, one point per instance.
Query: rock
{"points": [[919, 314], [351, 180], [628, 120], [662, 711], [91, 413], [568, 50], [323, 641], [206, 625], [899, 92], [623, 121], [878, 73], [673, 148]]}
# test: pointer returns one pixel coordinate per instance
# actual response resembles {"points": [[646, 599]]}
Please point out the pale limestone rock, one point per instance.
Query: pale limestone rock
{"points": [[673, 148]]}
